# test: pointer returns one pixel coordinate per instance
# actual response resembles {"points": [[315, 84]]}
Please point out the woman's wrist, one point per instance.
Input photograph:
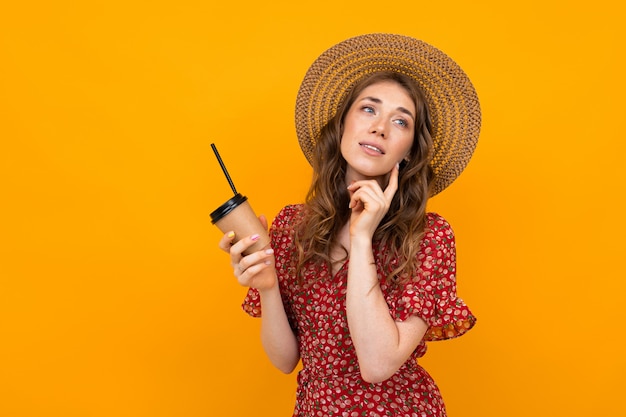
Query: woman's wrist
{"points": [[360, 242], [269, 290]]}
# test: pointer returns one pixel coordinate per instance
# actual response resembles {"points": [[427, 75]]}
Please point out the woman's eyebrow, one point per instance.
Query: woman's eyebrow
{"points": [[379, 101], [407, 112]]}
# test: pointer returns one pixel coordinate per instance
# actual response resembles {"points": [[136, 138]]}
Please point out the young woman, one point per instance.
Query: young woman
{"points": [[359, 277]]}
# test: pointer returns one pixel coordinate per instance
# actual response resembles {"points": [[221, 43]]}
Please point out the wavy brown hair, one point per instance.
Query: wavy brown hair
{"points": [[326, 212]]}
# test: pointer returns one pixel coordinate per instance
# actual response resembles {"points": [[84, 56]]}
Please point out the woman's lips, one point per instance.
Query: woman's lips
{"points": [[372, 148]]}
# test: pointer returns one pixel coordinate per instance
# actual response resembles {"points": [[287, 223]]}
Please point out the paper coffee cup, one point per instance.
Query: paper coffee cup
{"points": [[237, 215]]}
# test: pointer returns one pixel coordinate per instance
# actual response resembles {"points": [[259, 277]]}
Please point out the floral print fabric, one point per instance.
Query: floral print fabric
{"points": [[330, 383]]}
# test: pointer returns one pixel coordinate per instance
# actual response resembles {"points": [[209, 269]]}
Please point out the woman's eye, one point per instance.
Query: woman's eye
{"points": [[401, 122], [368, 109]]}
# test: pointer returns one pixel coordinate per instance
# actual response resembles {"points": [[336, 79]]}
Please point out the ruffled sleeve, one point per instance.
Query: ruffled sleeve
{"points": [[431, 294], [252, 303]]}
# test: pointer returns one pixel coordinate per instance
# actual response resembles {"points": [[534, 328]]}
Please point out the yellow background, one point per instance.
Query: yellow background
{"points": [[114, 299]]}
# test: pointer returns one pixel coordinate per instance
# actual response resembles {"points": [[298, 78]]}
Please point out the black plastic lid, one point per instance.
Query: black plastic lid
{"points": [[227, 207]]}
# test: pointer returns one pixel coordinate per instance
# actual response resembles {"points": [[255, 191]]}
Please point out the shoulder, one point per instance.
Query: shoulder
{"points": [[436, 221], [289, 216], [438, 233], [436, 225]]}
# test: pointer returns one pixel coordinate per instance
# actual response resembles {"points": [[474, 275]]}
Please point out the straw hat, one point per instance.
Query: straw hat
{"points": [[451, 98]]}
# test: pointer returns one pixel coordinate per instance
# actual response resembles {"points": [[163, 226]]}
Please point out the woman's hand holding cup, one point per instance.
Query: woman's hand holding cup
{"points": [[255, 270]]}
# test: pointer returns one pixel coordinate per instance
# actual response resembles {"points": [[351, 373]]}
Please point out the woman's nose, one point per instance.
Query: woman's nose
{"points": [[378, 128]]}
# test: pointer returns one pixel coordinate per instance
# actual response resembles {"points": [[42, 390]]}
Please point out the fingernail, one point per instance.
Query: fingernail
{"points": [[254, 237], [269, 251], [268, 262], [231, 235]]}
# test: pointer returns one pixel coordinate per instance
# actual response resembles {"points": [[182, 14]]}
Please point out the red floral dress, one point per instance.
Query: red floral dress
{"points": [[330, 383]]}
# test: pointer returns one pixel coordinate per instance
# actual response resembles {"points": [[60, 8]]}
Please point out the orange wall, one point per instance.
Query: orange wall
{"points": [[114, 299]]}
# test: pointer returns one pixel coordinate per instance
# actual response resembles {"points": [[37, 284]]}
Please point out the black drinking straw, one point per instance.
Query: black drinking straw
{"points": [[219, 159]]}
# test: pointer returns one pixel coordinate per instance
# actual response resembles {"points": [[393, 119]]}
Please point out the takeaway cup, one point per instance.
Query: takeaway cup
{"points": [[237, 215]]}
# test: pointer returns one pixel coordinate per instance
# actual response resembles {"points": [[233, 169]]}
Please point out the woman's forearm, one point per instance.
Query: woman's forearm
{"points": [[278, 339], [382, 344]]}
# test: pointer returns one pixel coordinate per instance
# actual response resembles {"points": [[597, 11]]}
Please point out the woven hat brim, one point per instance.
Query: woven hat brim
{"points": [[450, 95]]}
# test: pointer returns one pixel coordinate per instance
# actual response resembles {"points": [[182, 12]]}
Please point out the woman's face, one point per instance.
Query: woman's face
{"points": [[378, 132]]}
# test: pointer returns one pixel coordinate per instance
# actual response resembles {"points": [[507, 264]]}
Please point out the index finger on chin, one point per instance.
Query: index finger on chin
{"points": [[392, 186]]}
